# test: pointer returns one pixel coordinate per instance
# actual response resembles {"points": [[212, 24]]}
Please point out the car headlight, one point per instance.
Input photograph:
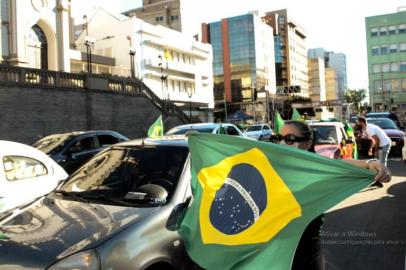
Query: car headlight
{"points": [[86, 260]]}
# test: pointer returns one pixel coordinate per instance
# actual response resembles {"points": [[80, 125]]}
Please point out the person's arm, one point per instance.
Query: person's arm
{"points": [[374, 145], [382, 172]]}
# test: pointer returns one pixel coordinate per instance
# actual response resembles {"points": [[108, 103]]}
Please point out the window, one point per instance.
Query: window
{"points": [[17, 168], [232, 131], [375, 50], [392, 30], [376, 68], [393, 48], [394, 67], [374, 32], [106, 140], [402, 29], [395, 85], [81, 145], [403, 84], [402, 66], [402, 47], [385, 67], [159, 19], [383, 31], [174, 17], [384, 49]]}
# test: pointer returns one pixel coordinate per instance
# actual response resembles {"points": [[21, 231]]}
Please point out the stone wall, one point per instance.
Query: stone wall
{"points": [[28, 113]]}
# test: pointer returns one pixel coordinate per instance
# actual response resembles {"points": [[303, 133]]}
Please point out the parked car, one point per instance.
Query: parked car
{"points": [[120, 210], [25, 174], [331, 140], [397, 136], [71, 150], [382, 115], [404, 154], [226, 128], [260, 132]]}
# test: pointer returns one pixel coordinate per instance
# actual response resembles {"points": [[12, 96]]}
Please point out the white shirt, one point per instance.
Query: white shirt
{"points": [[375, 130]]}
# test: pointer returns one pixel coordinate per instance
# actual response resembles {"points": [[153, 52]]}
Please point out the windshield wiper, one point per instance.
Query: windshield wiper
{"points": [[72, 194]]}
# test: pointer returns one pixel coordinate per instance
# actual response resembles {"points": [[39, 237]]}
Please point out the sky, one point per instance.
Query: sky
{"points": [[337, 26]]}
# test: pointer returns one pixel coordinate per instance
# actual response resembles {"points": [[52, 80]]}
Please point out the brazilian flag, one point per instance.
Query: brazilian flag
{"points": [[296, 115], [157, 128], [253, 200], [278, 123]]}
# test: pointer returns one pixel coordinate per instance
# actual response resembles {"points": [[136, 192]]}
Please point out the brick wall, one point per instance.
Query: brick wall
{"points": [[29, 113]]}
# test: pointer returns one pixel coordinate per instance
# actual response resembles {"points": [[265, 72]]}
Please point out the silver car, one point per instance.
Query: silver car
{"points": [[225, 128], [118, 211]]}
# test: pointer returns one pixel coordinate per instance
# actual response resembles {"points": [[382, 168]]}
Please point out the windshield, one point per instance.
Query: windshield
{"points": [[382, 123], [52, 144], [254, 128], [325, 134], [111, 175], [180, 131]]}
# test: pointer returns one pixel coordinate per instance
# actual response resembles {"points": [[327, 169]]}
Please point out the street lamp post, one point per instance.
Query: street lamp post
{"points": [[132, 56], [89, 42], [189, 93]]}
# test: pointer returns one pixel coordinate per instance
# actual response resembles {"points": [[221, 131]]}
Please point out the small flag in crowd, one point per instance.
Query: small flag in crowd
{"points": [[278, 123], [296, 115], [157, 128], [252, 201]]}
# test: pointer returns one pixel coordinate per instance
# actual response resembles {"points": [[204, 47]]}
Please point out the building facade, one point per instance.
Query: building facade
{"points": [[293, 69], [175, 66], [386, 50], [243, 64], [178, 15], [36, 34], [317, 80], [336, 61]]}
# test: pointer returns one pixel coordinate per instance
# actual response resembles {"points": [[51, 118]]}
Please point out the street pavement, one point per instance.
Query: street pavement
{"points": [[368, 230]]}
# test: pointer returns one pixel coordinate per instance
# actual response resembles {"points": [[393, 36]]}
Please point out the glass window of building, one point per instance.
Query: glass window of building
{"points": [[402, 28], [392, 30], [393, 48], [403, 84], [159, 19], [376, 68], [403, 66], [383, 31], [385, 67], [394, 67], [402, 47], [395, 84], [374, 32], [377, 85], [384, 49], [387, 85], [174, 17], [375, 50]]}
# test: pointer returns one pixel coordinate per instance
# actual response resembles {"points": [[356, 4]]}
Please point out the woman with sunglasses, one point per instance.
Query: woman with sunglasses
{"points": [[309, 254]]}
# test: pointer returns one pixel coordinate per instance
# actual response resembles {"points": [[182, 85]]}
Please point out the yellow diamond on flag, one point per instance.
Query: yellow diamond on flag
{"points": [[244, 201]]}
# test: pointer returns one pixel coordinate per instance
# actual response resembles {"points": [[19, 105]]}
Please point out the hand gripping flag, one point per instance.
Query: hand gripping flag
{"points": [[253, 200], [157, 128]]}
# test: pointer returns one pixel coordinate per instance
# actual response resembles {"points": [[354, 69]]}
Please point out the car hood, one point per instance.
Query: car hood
{"points": [[51, 229], [394, 133]]}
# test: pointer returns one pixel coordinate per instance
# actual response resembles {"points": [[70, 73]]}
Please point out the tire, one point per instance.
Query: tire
{"points": [[260, 138]]}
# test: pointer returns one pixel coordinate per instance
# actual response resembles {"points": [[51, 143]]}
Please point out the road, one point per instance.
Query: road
{"points": [[368, 230]]}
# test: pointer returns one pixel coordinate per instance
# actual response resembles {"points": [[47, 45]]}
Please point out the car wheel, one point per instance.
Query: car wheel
{"points": [[260, 138]]}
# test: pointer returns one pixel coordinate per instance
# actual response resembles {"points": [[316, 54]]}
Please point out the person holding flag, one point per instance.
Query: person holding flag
{"points": [[156, 129], [255, 203]]}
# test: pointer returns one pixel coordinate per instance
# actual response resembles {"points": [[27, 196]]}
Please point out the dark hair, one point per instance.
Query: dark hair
{"points": [[305, 130], [362, 119]]}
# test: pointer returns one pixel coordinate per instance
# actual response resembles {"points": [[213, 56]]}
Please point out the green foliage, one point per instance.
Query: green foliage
{"points": [[355, 97]]}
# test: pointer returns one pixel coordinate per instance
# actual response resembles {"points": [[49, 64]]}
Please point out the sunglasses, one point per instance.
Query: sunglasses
{"points": [[289, 139]]}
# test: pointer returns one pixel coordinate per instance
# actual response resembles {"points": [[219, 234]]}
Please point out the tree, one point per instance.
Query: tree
{"points": [[355, 97]]}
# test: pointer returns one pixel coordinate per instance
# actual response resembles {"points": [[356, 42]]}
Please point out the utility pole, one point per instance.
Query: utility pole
{"points": [[383, 100]]}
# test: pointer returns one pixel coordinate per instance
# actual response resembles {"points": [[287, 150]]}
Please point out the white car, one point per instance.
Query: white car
{"points": [[226, 128], [25, 174], [260, 132], [404, 153]]}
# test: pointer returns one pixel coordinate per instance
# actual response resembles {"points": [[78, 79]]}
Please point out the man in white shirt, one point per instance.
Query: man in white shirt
{"points": [[380, 142]]}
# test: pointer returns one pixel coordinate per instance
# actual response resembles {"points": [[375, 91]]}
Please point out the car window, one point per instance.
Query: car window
{"points": [[325, 134], [106, 140], [254, 128], [232, 131], [383, 123], [52, 144], [119, 171], [177, 131], [18, 167], [266, 127], [81, 145]]}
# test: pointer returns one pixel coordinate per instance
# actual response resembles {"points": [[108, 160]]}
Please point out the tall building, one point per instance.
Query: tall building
{"points": [[36, 34], [317, 79], [336, 61], [332, 90], [386, 45], [292, 37], [243, 63], [179, 15], [175, 66]]}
